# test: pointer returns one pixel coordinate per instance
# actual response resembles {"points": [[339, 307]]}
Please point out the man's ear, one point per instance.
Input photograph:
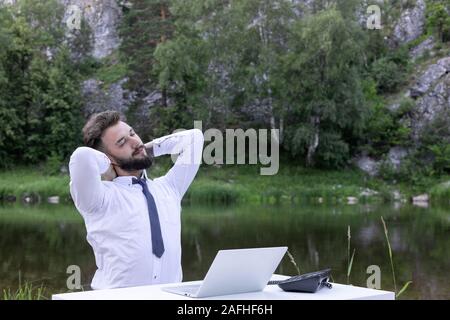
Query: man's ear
{"points": [[111, 158]]}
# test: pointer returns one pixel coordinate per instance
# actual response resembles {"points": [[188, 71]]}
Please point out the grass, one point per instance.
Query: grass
{"points": [[22, 181], [108, 70], [441, 192], [349, 260], [111, 73], [291, 184], [25, 291], [292, 260], [235, 184], [391, 259]]}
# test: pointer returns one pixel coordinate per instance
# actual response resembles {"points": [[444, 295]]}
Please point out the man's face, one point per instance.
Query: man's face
{"points": [[125, 147]]}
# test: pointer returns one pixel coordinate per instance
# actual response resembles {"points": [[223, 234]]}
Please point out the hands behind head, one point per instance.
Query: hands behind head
{"points": [[111, 173]]}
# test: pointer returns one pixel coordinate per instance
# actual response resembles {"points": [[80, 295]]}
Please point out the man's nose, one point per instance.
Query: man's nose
{"points": [[135, 142]]}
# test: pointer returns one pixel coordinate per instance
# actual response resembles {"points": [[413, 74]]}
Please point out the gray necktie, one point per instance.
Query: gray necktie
{"points": [[155, 227]]}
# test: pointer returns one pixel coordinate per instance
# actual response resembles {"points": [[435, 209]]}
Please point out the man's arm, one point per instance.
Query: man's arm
{"points": [[189, 145], [86, 167]]}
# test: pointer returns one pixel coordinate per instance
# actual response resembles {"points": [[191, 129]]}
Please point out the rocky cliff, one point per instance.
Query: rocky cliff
{"points": [[103, 18], [430, 88]]}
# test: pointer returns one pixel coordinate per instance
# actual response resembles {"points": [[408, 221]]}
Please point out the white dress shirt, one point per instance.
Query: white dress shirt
{"points": [[116, 213]]}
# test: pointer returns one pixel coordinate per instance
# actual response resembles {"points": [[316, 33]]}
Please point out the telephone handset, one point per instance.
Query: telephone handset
{"points": [[308, 282]]}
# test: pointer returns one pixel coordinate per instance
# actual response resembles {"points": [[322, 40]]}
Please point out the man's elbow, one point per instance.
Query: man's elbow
{"points": [[79, 153]]}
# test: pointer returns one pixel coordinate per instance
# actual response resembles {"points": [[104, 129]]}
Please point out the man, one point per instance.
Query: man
{"points": [[132, 222]]}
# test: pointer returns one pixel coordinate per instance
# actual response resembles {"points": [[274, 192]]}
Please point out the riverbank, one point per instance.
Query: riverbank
{"points": [[243, 184]]}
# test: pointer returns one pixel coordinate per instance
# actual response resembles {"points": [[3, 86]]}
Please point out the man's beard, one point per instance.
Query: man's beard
{"points": [[135, 164]]}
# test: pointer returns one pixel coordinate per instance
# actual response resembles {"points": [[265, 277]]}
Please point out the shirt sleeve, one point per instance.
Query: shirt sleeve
{"points": [[188, 144], [87, 190]]}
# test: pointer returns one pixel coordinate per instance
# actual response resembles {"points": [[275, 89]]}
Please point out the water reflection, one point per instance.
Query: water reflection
{"points": [[41, 242]]}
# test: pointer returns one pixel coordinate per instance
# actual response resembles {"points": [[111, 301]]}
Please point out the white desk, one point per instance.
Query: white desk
{"points": [[273, 292]]}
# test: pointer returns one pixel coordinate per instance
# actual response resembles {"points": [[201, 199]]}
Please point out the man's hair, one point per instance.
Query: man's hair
{"points": [[96, 126]]}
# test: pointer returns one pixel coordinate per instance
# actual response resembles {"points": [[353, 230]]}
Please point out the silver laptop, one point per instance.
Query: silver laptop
{"points": [[235, 271]]}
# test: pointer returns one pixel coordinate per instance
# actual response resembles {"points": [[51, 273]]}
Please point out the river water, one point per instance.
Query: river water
{"points": [[37, 244]]}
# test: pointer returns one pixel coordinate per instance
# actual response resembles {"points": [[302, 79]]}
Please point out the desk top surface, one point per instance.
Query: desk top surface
{"points": [[273, 292]]}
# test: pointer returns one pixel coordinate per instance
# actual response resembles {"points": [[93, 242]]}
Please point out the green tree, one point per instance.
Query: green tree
{"points": [[57, 108], [224, 56], [40, 112], [15, 63], [144, 25], [438, 18], [323, 77], [9, 120]]}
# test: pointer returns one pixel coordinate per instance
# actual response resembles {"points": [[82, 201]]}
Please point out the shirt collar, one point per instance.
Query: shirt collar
{"points": [[128, 180]]}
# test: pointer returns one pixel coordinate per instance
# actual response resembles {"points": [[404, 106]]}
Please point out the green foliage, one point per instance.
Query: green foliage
{"points": [[108, 70], [440, 192], [390, 71], [387, 74], [53, 164], [386, 128], [441, 153], [333, 150], [438, 18], [216, 77], [25, 292], [210, 192], [40, 97], [323, 82], [246, 63], [146, 24], [434, 142]]}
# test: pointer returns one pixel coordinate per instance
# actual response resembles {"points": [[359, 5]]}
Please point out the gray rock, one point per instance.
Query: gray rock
{"points": [[436, 102], [393, 159], [152, 98], [103, 18], [142, 111], [368, 193], [7, 2], [421, 198], [367, 164], [396, 195], [419, 50], [411, 24], [98, 99], [393, 107], [427, 79], [395, 156], [53, 199], [352, 200], [445, 63]]}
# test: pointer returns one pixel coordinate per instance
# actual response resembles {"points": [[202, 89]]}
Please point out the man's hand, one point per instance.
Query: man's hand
{"points": [[149, 148], [110, 174]]}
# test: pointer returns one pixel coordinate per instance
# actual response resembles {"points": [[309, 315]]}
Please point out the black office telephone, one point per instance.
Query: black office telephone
{"points": [[308, 282]]}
